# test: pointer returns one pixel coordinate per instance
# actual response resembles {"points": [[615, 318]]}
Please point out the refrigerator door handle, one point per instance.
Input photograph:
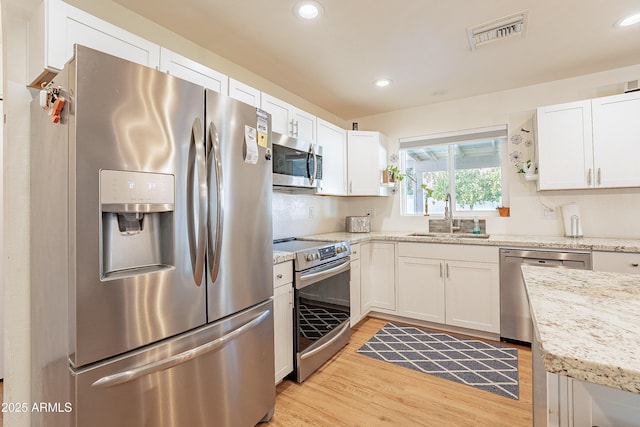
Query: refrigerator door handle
{"points": [[185, 356], [196, 162], [215, 229]]}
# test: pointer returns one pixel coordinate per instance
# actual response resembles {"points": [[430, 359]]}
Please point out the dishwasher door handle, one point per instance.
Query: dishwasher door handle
{"points": [[542, 262]]}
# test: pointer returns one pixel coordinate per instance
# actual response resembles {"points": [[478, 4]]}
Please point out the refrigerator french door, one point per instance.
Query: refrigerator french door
{"points": [[139, 315]]}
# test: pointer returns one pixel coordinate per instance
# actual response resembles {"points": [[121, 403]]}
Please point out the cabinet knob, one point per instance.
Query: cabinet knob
{"points": [[634, 264], [279, 276]]}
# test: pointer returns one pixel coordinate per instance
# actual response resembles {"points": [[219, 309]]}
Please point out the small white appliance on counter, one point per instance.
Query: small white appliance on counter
{"points": [[572, 220]]}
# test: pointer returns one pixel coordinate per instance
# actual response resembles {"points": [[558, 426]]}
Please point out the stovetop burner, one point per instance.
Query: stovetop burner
{"points": [[310, 253]]}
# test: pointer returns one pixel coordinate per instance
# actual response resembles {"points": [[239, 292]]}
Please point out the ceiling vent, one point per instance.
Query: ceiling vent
{"points": [[498, 29]]}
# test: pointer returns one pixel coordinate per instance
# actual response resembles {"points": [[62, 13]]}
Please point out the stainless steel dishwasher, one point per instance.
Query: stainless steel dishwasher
{"points": [[515, 318]]}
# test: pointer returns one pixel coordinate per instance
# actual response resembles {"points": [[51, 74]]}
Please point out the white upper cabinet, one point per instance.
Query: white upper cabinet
{"points": [[56, 26], [333, 141], [190, 70], [244, 93], [367, 157], [616, 140], [565, 155], [289, 120], [590, 144]]}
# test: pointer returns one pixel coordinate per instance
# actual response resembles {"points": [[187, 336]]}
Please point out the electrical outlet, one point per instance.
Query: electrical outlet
{"points": [[370, 212], [548, 213]]}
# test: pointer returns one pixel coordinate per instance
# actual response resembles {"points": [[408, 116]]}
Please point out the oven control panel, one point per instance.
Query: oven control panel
{"points": [[326, 253]]}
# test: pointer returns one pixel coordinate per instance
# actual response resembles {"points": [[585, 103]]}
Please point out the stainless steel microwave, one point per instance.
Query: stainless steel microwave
{"points": [[297, 164]]}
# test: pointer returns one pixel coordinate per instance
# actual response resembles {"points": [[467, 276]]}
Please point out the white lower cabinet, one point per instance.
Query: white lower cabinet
{"points": [[472, 295], [354, 298], [616, 262], [421, 289], [573, 403], [378, 289], [283, 319], [456, 285]]}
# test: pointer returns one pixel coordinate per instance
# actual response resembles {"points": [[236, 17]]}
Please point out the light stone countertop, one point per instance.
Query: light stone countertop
{"points": [[504, 240], [587, 324]]}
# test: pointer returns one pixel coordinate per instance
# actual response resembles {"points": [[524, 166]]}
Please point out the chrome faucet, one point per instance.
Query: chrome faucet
{"points": [[448, 213]]}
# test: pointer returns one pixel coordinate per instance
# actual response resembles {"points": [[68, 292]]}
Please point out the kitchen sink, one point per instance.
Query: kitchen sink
{"points": [[452, 235]]}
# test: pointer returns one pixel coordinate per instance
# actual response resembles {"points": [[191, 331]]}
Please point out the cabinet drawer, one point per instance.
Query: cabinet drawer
{"points": [[616, 262], [449, 251], [355, 251], [282, 273]]}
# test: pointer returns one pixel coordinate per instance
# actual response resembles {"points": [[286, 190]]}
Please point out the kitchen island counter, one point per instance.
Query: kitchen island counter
{"points": [[586, 323]]}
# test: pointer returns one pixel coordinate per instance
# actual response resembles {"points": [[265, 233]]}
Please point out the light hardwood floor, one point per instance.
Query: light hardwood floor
{"points": [[356, 390]]}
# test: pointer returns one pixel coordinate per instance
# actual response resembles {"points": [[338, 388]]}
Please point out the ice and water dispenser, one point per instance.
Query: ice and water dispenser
{"points": [[137, 233]]}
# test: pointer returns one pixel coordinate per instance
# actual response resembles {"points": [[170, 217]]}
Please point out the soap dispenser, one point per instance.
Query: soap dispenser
{"points": [[476, 225]]}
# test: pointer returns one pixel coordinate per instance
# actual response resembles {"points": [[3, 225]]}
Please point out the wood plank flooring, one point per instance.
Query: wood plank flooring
{"points": [[356, 390]]}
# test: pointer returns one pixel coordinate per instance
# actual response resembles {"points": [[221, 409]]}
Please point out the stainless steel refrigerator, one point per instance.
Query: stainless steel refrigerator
{"points": [[151, 259]]}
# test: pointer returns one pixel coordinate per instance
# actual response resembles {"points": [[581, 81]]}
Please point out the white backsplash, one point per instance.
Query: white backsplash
{"points": [[297, 215]]}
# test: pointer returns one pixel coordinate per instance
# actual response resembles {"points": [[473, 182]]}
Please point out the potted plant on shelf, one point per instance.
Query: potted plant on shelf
{"points": [[392, 174], [504, 211]]}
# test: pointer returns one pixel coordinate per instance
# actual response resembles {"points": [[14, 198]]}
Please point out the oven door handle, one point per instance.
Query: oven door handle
{"points": [[327, 344], [320, 275]]}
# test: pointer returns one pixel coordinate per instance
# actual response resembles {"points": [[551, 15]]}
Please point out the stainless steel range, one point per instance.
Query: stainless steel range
{"points": [[322, 301]]}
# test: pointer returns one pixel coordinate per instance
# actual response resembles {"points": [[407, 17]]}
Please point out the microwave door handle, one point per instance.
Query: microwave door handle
{"points": [[214, 170], [196, 233], [311, 176]]}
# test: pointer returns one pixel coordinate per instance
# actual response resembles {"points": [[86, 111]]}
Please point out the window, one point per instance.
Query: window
{"points": [[467, 165]]}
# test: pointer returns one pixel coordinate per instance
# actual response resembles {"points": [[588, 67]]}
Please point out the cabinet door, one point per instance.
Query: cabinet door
{"points": [[421, 289], [57, 26], [366, 156], [244, 93], [283, 330], [616, 262], [304, 124], [616, 140], [187, 69], [279, 110], [565, 151], [333, 141], [379, 289], [472, 292], [356, 311], [597, 405]]}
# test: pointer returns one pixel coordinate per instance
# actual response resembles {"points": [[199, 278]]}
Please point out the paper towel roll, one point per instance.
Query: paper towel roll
{"points": [[572, 228]]}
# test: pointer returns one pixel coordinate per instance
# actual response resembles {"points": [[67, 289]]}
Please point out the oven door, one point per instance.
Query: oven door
{"points": [[322, 306], [296, 163]]}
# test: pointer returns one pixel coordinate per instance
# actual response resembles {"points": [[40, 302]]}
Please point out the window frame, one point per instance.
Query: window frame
{"points": [[450, 139]]}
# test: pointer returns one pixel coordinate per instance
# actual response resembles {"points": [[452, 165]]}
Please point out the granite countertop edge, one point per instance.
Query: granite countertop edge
{"points": [[590, 342], [505, 240]]}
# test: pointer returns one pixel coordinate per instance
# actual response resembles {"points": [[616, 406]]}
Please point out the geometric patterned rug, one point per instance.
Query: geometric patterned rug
{"points": [[489, 367]]}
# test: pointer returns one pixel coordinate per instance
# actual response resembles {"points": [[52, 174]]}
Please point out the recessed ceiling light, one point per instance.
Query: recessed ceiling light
{"points": [[308, 9], [382, 82], [629, 20]]}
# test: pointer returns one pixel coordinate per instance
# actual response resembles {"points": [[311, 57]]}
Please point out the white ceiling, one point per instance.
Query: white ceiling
{"points": [[421, 45]]}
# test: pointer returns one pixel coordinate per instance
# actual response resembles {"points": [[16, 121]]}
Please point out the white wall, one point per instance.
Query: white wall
{"points": [[17, 376], [605, 213]]}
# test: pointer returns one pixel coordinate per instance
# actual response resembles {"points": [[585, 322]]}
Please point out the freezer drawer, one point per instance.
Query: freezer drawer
{"points": [[218, 375]]}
